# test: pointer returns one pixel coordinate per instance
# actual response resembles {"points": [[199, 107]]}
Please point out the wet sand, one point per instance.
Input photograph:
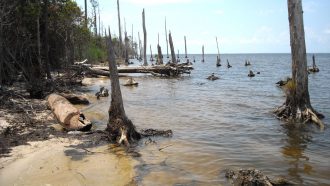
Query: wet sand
{"points": [[59, 162]]}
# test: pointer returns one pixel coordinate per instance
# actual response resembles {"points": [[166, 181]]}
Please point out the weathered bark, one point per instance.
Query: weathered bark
{"points": [[160, 55], [172, 48], [140, 49], [68, 115], [185, 47], [120, 128], [166, 39], [151, 57], [203, 54], [297, 106], [119, 27], [218, 56], [145, 63]]}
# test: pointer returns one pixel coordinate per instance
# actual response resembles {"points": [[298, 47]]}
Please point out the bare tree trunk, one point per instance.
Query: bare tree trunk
{"points": [[145, 63], [86, 23], [218, 57], [203, 54], [151, 57], [126, 45], [297, 106], [120, 128], [140, 49], [160, 55], [166, 38], [172, 48], [45, 39], [185, 47], [119, 27]]}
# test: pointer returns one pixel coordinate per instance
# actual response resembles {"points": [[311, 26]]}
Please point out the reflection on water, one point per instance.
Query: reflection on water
{"points": [[296, 142], [223, 124]]}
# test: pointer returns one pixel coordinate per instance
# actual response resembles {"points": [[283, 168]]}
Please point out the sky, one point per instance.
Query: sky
{"points": [[241, 26]]}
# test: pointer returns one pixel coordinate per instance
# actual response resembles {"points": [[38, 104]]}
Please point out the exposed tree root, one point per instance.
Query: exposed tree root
{"points": [[305, 115]]}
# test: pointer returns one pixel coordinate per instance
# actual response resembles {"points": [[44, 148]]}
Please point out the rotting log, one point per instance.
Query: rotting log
{"points": [[68, 115]]}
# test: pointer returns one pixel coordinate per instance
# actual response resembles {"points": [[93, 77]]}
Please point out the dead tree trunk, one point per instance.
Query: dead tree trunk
{"points": [[119, 27], [126, 47], [145, 63], [86, 23], [160, 55], [185, 47], [45, 39], [120, 128], [218, 57], [151, 57], [140, 49], [172, 48], [297, 107], [166, 38], [203, 54]]}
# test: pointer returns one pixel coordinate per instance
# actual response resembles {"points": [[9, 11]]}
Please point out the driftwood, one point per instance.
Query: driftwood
{"points": [[169, 69], [68, 115]]}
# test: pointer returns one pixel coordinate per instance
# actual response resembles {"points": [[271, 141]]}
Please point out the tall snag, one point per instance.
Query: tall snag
{"points": [[119, 27], [297, 106], [203, 54], [172, 48], [160, 55], [120, 128], [218, 56], [166, 39], [145, 63], [185, 47]]}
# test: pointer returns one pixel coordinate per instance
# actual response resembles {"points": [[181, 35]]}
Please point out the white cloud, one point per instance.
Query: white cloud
{"points": [[158, 2]]}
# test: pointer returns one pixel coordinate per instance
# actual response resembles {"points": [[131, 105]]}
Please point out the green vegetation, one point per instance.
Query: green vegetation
{"points": [[39, 36]]}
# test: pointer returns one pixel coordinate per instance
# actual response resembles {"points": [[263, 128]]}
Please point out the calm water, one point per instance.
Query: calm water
{"points": [[224, 124]]}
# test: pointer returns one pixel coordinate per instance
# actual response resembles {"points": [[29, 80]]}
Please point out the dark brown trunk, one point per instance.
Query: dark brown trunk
{"points": [[120, 128], [45, 39]]}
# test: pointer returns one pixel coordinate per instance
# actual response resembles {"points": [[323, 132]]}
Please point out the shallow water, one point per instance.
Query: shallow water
{"points": [[224, 124]]}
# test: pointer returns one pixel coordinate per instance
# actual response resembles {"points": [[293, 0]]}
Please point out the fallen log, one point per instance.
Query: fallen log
{"points": [[68, 115]]}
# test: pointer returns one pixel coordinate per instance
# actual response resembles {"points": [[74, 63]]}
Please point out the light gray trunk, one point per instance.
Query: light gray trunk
{"points": [[172, 48], [166, 39], [119, 27], [298, 53], [185, 47], [145, 63]]}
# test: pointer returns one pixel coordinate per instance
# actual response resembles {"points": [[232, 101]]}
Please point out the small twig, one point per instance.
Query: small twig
{"points": [[165, 147]]}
